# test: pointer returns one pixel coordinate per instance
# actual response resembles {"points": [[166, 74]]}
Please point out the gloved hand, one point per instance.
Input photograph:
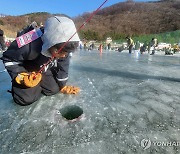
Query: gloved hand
{"points": [[70, 90], [29, 79], [20, 77], [32, 79]]}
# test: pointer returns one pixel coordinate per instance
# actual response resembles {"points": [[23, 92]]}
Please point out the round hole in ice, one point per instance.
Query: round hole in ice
{"points": [[71, 112]]}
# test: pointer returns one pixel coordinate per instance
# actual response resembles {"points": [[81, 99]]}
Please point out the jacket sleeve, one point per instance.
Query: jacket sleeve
{"points": [[61, 73], [13, 60]]}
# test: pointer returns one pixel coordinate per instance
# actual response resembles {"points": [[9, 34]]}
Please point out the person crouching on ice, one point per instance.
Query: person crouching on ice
{"points": [[22, 62]]}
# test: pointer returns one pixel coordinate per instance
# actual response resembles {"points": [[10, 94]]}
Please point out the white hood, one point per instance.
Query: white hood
{"points": [[57, 30]]}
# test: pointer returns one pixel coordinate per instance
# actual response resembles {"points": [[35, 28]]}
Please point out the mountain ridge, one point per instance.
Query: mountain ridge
{"points": [[116, 21]]}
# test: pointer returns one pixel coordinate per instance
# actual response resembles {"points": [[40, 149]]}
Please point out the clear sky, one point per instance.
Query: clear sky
{"points": [[71, 8]]}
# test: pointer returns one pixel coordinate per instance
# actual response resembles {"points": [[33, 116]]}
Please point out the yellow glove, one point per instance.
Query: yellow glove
{"points": [[70, 90], [20, 78], [29, 80], [32, 79]]}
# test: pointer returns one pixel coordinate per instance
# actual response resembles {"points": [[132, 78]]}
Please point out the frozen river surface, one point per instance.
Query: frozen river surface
{"points": [[131, 104]]}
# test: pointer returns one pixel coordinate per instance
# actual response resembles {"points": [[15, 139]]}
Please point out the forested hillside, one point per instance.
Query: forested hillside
{"points": [[133, 18], [116, 21]]}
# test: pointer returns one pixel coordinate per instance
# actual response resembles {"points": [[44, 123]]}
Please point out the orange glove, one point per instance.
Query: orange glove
{"points": [[20, 78], [70, 90], [28, 79], [32, 79]]}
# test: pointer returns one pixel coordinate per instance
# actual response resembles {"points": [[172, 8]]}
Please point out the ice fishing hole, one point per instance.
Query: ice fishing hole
{"points": [[71, 112]]}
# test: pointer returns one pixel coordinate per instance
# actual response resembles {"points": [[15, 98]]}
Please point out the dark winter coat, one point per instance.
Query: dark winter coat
{"points": [[29, 58]]}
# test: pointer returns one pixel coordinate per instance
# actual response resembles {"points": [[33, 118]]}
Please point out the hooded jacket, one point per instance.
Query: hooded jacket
{"points": [[29, 58], [58, 30], [16, 59]]}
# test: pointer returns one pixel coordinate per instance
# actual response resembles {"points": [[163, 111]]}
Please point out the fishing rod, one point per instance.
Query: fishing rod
{"points": [[52, 57]]}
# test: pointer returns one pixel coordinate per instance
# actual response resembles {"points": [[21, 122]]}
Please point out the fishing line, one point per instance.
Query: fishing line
{"points": [[52, 57]]}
